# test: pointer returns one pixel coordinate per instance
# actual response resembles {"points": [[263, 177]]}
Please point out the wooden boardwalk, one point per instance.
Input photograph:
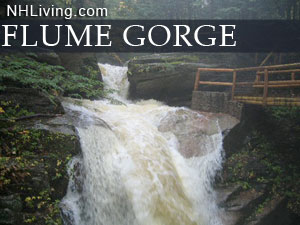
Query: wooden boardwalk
{"points": [[276, 85]]}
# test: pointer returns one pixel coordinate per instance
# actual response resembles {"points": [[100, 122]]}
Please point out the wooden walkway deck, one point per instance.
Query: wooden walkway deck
{"points": [[283, 78]]}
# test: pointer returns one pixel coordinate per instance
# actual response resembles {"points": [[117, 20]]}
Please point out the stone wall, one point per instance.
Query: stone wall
{"points": [[216, 102]]}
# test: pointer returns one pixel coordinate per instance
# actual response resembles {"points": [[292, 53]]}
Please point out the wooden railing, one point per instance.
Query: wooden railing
{"points": [[266, 83]]}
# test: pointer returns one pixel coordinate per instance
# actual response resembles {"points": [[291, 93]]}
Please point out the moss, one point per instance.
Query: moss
{"points": [[165, 64], [156, 67], [182, 59]]}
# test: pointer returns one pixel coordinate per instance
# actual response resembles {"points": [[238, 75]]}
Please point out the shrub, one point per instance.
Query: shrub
{"points": [[52, 80]]}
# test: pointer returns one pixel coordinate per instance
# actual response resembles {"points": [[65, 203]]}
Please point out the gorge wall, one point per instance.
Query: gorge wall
{"points": [[170, 77], [35, 151]]}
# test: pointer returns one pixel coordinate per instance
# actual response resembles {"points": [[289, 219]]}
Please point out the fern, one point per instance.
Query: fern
{"points": [[50, 80]]}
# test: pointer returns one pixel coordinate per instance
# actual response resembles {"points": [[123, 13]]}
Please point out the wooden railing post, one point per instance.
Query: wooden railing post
{"points": [[266, 81], [197, 80], [233, 85], [290, 69], [293, 76], [257, 78]]}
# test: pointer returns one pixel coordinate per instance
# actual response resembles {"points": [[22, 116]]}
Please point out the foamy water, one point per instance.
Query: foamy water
{"points": [[135, 170]]}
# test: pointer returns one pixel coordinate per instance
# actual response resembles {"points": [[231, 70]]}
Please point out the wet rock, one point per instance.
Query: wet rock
{"points": [[12, 202], [78, 176], [67, 214], [46, 56], [81, 63], [61, 124], [110, 58], [8, 217], [202, 130], [223, 193], [241, 199], [31, 100], [35, 174], [273, 212], [239, 135], [169, 78], [251, 163], [10, 208]]}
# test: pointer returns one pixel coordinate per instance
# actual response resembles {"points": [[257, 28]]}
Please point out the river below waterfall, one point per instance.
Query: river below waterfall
{"points": [[142, 162]]}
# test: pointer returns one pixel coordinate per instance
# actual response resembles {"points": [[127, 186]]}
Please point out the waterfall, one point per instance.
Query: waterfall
{"points": [[142, 163]]}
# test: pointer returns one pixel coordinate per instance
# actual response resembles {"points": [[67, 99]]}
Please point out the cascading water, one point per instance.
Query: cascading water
{"points": [[143, 163]]}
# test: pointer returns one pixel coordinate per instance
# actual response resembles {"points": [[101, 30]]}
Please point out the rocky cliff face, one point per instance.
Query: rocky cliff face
{"points": [[259, 182], [37, 139], [35, 149], [170, 77], [81, 63]]}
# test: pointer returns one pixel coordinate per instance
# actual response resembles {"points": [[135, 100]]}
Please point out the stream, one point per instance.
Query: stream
{"points": [[142, 162]]}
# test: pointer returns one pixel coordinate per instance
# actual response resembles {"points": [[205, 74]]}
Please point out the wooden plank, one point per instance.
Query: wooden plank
{"points": [[216, 83], [265, 84], [281, 82], [271, 103], [280, 71], [259, 68], [233, 85], [216, 69], [266, 79], [293, 76], [270, 100], [257, 98], [278, 85], [257, 77], [268, 67], [244, 83], [197, 79]]}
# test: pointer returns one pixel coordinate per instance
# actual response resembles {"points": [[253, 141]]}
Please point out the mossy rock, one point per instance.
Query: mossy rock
{"points": [[34, 175]]}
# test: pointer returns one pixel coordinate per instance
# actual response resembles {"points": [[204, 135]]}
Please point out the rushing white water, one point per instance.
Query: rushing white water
{"points": [[143, 163]]}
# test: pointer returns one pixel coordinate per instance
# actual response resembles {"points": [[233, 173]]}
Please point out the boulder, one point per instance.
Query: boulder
{"points": [[170, 77], [49, 57], [81, 63], [256, 186], [44, 56], [32, 100], [197, 139], [35, 151]]}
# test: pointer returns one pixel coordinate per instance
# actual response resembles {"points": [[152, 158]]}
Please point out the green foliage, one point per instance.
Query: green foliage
{"points": [[43, 201], [281, 114], [261, 163], [49, 79], [284, 124], [10, 111], [24, 151], [203, 9]]}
